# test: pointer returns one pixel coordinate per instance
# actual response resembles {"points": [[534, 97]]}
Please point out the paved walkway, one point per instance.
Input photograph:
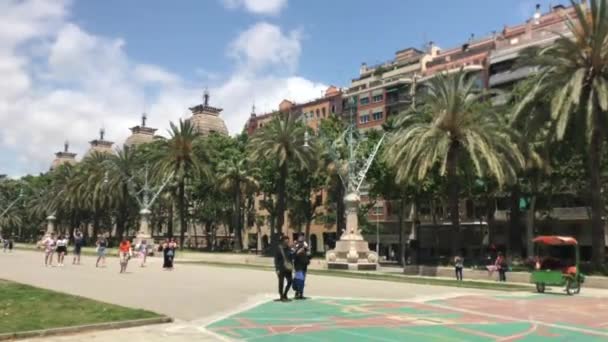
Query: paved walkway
{"points": [[192, 294]]}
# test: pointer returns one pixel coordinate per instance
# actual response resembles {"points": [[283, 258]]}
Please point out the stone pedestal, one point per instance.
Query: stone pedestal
{"points": [[144, 232], [352, 251], [50, 224]]}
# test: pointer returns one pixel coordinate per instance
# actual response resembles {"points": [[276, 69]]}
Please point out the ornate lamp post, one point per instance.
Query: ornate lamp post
{"points": [[146, 196], [352, 251]]}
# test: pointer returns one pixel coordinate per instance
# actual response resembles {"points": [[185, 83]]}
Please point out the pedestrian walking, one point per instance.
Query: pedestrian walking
{"points": [[102, 244], [62, 249], [49, 249], [78, 244], [301, 261], [169, 248], [143, 252], [5, 243], [10, 244], [124, 254], [283, 265], [458, 265], [502, 267]]}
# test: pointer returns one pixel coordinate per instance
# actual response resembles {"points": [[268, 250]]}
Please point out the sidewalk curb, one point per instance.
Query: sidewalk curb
{"points": [[85, 328]]}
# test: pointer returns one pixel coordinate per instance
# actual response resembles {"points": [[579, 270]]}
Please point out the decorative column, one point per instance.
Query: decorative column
{"points": [[50, 224]]}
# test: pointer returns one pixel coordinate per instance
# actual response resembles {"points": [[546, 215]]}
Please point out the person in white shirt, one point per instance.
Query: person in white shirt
{"points": [[62, 249], [49, 249]]}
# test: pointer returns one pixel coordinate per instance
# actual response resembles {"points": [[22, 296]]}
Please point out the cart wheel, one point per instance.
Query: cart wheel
{"points": [[572, 287], [540, 287]]}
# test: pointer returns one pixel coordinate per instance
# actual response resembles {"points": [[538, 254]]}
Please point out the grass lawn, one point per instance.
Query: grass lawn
{"points": [[26, 308]]}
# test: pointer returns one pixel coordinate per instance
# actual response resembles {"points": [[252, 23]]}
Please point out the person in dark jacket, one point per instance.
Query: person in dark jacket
{"points": [[301, 261], [283, 264]]}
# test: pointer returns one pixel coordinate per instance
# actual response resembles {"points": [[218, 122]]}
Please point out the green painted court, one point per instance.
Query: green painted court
{"points": [[513, 317]]}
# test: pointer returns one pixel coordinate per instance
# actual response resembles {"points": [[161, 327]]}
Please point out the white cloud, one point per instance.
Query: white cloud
{"points": [[268, 7], [265, 45], [60, 82], [147, 73]]}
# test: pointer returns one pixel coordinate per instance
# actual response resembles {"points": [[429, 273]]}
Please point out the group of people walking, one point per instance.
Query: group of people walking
{"points": [[291, 263], [58, 244]]}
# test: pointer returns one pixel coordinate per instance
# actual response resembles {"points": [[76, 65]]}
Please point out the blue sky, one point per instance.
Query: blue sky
{"points": [[72, 66], [338, 35]]}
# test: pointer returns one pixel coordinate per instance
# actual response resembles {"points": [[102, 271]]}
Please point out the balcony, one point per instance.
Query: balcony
{"points": [[560, 214], [398, 100], [511, 76], [566, 214]]}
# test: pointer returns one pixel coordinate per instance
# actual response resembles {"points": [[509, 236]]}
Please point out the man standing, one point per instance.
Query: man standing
{"points": [[301, 261], [284, 267]]}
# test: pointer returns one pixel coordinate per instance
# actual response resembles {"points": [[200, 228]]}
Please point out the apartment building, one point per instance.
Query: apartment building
{"points": [[311, 112]]}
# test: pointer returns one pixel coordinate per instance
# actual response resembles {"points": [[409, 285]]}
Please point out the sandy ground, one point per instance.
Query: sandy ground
{"points": [[193, 295]]}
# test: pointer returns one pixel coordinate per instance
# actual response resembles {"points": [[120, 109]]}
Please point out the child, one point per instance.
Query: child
{"points": [[143, 252], [102, 244]]}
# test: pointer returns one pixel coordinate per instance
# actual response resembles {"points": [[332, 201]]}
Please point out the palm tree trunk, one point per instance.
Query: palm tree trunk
{"points": [[307, 229], [514, 222], [95, 223], [170, 220], [453, 194], [181, 202], [340, 212], [237, 219], [597, 227], [530, 226], [281, 198], [208, 235], [401, 232]]}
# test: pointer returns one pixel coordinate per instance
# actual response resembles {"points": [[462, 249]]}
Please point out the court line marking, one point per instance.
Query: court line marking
{"points": [[514, 319]]}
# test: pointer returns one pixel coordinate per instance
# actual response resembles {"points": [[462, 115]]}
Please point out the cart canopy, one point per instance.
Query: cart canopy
{"points": [[553, 240]]}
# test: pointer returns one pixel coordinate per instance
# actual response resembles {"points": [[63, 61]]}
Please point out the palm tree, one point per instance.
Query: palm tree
{"points": [[574, 73], [453, 127], [235, 176], [282, 140], [176, 156], [88, 189], [122, 166]]}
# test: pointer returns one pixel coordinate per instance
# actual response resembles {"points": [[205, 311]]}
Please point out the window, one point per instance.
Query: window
{"points": [[323, 111], [378, 210], [377, 116], [333, 109], [364, 100], [377, 98], [364, 119]]}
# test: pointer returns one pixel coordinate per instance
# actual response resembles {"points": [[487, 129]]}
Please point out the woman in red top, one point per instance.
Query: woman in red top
{"points": [[124, 252]]}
